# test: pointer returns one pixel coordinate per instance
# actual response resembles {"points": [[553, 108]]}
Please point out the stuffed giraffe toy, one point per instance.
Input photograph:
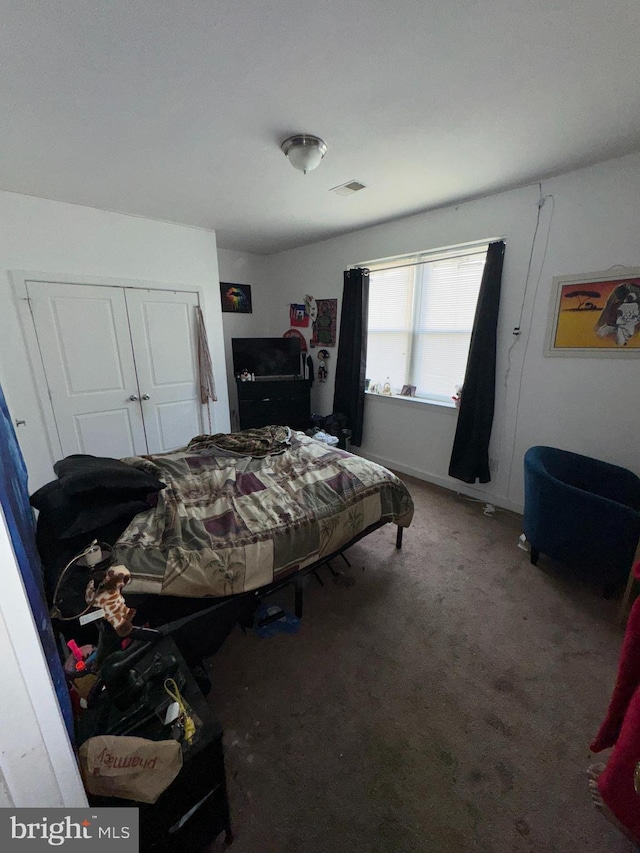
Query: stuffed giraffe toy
{"points": [[108, 596]]}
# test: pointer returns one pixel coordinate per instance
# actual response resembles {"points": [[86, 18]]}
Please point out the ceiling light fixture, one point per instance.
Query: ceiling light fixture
{"points": [[304, 152]]}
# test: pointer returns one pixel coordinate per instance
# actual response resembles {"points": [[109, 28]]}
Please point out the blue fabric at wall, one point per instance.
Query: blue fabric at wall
{"points": [[14, 498]]}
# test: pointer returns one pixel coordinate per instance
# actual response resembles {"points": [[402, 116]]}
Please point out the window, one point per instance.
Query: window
{"points": [[421, 311]]}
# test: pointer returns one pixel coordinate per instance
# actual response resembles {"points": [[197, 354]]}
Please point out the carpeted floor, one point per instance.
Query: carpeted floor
{"points": [[444, 702]]}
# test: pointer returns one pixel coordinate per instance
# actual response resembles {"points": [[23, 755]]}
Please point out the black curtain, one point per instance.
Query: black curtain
{"points": [[470, 455], [348, 395]]}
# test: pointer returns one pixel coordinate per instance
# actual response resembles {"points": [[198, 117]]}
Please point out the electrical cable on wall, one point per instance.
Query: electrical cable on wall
{"points": [[541, 202], [499, 441], [517, 328], [618, 267]]}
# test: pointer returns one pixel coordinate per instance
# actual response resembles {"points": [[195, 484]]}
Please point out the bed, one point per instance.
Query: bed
{"points": [[210, 528]]}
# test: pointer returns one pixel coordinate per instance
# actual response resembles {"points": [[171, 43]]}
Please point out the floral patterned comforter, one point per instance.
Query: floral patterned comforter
{"points": [[227, 524]]}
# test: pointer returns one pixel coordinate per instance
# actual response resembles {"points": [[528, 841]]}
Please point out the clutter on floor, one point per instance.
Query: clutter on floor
{"points": [[272, 620]]}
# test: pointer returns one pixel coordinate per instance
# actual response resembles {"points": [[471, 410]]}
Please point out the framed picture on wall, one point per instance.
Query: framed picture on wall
{"points": [[595, 314], [235, 298], [324, 325], [298, 315]]}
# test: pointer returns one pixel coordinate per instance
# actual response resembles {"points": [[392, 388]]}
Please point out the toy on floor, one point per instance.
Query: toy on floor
{"points": [[272, 620]]}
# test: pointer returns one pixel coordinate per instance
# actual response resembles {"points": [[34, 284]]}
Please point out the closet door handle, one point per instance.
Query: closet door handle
{"points": [[133, 398], [146, 397]]}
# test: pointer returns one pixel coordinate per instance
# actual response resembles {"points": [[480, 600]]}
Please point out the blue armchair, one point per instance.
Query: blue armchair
{"points": [[582, 512]]}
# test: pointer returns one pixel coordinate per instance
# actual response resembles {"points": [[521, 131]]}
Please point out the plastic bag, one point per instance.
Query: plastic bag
{"points": [[327, 439]]}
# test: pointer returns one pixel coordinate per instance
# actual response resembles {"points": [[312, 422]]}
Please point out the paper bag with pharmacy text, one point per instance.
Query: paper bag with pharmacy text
{"points": [[133, 768]]}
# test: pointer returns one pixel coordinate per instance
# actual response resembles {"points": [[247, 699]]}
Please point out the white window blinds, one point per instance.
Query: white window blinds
{"points": [[391, 295], [421, 314]]}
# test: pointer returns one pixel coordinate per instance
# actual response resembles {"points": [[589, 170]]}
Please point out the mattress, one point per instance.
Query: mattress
{"points": [[234, 519]]}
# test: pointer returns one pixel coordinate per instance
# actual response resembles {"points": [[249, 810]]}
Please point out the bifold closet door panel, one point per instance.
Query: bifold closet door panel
{"points": [[85, 346], [163, 333]]}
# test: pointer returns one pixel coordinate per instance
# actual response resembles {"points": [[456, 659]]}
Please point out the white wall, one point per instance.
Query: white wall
{"points": [[37, 763], [589, 405], [245, 268], [51, 237]]}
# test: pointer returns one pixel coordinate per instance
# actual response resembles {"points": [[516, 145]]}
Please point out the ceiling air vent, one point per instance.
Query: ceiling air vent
{"points": [[348, 189]]}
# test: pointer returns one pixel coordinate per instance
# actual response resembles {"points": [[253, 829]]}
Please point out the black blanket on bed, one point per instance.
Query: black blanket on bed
{"points": [[93, 498]]}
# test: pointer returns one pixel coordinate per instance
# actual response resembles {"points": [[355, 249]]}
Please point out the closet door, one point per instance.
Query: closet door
{"points": [[84, 341], [163, 333]]}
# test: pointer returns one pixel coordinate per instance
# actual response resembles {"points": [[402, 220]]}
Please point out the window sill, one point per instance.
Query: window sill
{"points": [[413, 401]]}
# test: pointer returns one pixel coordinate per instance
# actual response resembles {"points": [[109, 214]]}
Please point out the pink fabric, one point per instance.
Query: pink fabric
{"points": [[627, 681], [615, 783], [620, 729]]}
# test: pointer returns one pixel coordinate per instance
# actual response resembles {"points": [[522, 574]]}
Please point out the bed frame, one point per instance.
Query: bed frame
{"points": [[160, 546], [199, 626]]}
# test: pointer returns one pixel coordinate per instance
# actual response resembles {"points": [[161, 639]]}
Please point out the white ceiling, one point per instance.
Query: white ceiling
{"points": [[175, 109]]}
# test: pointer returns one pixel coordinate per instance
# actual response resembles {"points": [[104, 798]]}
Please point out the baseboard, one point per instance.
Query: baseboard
{"points": [[445, 482]]}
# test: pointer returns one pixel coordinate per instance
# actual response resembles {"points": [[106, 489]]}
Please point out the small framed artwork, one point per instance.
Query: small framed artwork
{"points": [[324, 325], [298, 315], [235, 298], [595, 315], [408, 391]]}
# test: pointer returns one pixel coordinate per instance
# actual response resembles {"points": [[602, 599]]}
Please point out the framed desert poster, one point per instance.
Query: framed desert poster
{"points": [[596, 314]]}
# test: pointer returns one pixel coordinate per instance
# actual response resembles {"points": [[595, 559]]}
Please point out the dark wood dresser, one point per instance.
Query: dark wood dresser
{"points": [[282, 402]]}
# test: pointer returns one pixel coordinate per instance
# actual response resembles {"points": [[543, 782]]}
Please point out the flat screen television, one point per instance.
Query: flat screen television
{"points": [[267, 358]]}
